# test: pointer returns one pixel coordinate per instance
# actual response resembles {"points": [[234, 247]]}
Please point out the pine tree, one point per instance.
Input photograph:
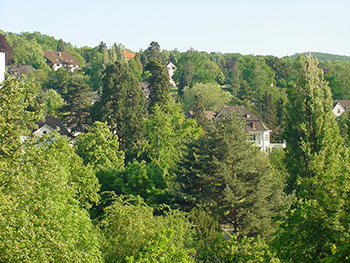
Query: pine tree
{"points": [[158, 84], [122, 106], [60, 45], [225, 174]]}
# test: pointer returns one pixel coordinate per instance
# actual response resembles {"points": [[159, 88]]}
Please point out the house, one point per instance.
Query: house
{"points": [[59, 59], [20, 70], [210, 115], [259, 133], [340, 106], [50, 124], [129, 55], [7, 49], [171, 71], [2, 67], [144, 87]]}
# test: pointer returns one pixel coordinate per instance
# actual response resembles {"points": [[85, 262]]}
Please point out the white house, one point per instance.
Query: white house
{"points": [[50, 124], [171, 71], [59, 59], [2, 67], [340, 106], [259, 133]]}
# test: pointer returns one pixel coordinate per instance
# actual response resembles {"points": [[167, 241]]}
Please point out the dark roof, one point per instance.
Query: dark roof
{"points": [[344, 103], [55, 124], [61, 57], [20, 70], [253, 123]]}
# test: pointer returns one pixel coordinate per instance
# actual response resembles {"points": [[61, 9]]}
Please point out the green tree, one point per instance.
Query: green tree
{"points": [[78, 105], [40, 218], [225, 174], [138, 178], [122, 105], [28, 53], [60, 45], [318, 173], [167, 131], [153, 51], [158, 84], [53, 102], [213, 97], [130, 229], [16, 118], [99, 147]]}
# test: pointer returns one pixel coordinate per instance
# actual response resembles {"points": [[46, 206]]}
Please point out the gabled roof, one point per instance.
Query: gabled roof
{"points": [[61, 57], [253, 123], [344, 103], [55, 124], [129, 55], [20, 69]]}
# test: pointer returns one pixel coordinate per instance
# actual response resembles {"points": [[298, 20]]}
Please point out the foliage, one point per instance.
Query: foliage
{"points": [[122, 106], [40, 218], [17, 117], [213, 97], [99, 147], [225, 174], [166, 133], [78, 98], [158, 84], [138, 178], [131, 229], [53, 102], [318, 174]]}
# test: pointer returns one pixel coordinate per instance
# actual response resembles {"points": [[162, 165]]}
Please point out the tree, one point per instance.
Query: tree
{"points": [[17, 117], [78, 105], [60, 45], [318, 173], [138, 178], [153, 51], [53, 102], [228, 176], [130, 229], [158, 84], [166, 133], [213, 97], [99, 147], [122, 106], [40, 218]]}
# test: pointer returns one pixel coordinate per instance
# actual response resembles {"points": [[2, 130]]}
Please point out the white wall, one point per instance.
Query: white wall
{"points": [[2, 67]]}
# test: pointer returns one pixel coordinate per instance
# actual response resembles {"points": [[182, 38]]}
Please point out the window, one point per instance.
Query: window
{"points": [[252, 137], [266, 137]]}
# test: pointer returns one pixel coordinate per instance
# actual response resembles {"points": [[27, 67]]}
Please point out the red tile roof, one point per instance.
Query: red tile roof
{"points": [[129, 55]]}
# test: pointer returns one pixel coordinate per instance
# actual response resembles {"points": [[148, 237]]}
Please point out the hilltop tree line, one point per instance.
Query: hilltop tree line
{"points": [[141, 183]]}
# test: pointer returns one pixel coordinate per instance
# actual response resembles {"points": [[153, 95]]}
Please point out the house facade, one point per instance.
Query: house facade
{"points": [[50, 124], [171, 68], [2, 67], [340, 106], [61, 59]]}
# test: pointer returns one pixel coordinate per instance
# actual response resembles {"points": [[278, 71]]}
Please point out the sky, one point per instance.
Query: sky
{"points": [[265, 27]]}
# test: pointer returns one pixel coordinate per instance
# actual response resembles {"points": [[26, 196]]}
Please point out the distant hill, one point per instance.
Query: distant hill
{"points": [[325, 56]]}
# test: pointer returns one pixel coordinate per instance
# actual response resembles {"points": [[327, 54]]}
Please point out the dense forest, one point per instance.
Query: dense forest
{"points": [[137, 181]]}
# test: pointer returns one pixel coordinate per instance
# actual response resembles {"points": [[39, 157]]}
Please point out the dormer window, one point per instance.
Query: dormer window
{"points": [[247, 116]]}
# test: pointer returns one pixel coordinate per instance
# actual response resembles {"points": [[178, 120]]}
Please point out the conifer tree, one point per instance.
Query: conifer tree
{"points": [[225, 174], [122, 106], [158, 84]]}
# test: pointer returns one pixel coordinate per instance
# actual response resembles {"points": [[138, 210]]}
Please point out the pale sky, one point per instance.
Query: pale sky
{"points": [[265, 27]]}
